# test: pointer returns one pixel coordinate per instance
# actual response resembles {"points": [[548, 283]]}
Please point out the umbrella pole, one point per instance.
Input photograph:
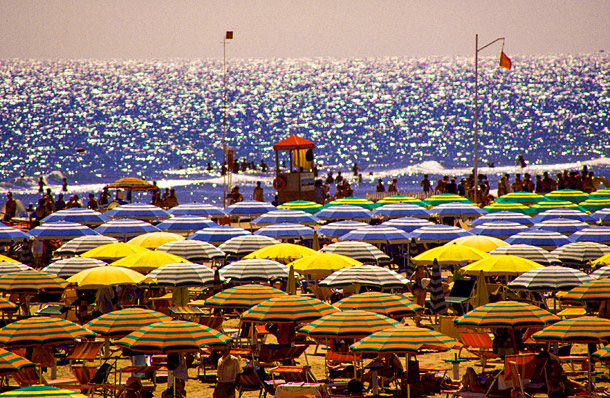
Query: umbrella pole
{"points": [[407, 357]]}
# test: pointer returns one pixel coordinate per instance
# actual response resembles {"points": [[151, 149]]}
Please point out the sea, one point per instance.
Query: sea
{"points": [[95, 121]]}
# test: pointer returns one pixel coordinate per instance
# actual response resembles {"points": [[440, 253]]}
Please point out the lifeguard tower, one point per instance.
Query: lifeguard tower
{"points": [[297, 181]]}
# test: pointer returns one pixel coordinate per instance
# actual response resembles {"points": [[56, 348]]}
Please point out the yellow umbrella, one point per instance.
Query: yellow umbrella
{"points": [[603, 260], [5, 259], [500, 265], [283, 252], [153, 240], [449, 254], [148, 261], [322, 264], [98, 277], [480, 242], [114, 251]]}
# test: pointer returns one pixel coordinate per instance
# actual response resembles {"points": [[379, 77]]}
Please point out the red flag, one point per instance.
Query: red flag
{"points": [[229, 35], [505, 61]]}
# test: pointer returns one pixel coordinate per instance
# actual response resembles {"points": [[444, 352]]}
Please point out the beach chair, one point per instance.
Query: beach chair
{"points": [[479, 344], [275, 355], [84, 351], [214, 322], [255, 380], [337, 365], [521, 370], [294, 374], [30, 376], [460, 295]]}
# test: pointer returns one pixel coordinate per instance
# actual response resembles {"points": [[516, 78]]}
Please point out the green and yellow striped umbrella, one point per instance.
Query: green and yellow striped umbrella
{"points": [[506, 314], [521, 197], [41, 330], [595, 204], [348, 324], [390, 305], [146, 262], [40, 391], [10, 363], [436, 200], [244, 296], [321, 264], [600, 194], [173, 336], [365, 204], [404, 339], [288, 308], [554, 204], [132, 184], [303, 205], [584, 329], [514, 207], [31, 282], [571, 195], [122, 322], [595, 290], [114, 251], [401, 199], [282, 252]]}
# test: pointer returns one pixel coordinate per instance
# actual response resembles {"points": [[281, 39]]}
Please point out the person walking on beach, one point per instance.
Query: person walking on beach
{"points": [[41, 185], [380, 187], [64, 185], [355, 169], [228, 370], [425, 184], [520, 161], [258, 194]]}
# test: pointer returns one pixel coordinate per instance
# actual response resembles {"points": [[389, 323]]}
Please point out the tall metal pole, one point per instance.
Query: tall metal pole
{"points": [[224, 122]]}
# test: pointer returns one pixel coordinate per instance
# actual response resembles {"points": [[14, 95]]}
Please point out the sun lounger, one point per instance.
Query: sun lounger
{"points": [[479, 344], [270, 354], [460, 295]]}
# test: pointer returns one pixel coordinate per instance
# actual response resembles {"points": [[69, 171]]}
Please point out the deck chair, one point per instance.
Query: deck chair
{"points": [[520, 369], [294, 374], [460, 294], [275, 355], [30, 375], [478, 344], [84, 351], [255, 380], [214, 322], [343, 360], [98, 385]]}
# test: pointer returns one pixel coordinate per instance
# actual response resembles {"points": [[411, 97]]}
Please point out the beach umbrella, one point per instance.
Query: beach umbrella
{"points": [[550, 278], [10, 234], [348, 324], [31, 281], [146, 262], [186, 224], [283, 252], [152, 240], [288, 309], [77, 215], [407, 224], [458, 210], [595, 204], [437, 296], [506, 314], [183, 274], [286, 231], [505, 264], [361, 251], [7, 259], [595, 290], [563, 226], [351, 201], [84, 243], [125, 228], [377, 234], [507, 207], [138, 211], [544, 239], [122, 322], [344, 212], [603, 272], [571, 195], [249, 209], [322, 264], [254, 270], [114, 251], [197, 209], [11, 363], [246, 244], [499, 229], [390, 305], [339, 228], [244, 296], [7, 267], [438, 233], [41, 330], [579, 253], [41, 391], [61, 230], [173, 336], [7, 306], [602, 354], [367, 275], [286, 216], [404, 339], [568, 214], [450, 254], [445, 198], [132, 184], [595, 234], [521, 197], [600, 194], [99, 277], [400, 199], [303, 205], [192, 250], [396, 210], [479, 242], [554, 204], [529, 252], [218, 235], [70, 266], [503, 216]]}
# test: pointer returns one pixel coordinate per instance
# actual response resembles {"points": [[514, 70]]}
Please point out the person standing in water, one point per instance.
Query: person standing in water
{"points": [[258, 194]]}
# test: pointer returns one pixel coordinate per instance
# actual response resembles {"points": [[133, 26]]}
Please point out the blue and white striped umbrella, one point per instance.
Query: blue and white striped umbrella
{"points": [[570, 214], [407, 224], [550, 278], [218, 235], [595, 234], [286, 231], [344, 212], [601, 273], [183, 275], [125, 228], [459, 210], [534, 253], [249, 209], [498, 229], [544, 239], [246, 244], [62, 230], [286, 215], [377, 234], [84, 243], [254, 270], [602, 216], [186, 224], [561, 225], [10, 267], [138, 211], [509, 216], [368, 275], [339, 228], [438, 233], [197, 209], [361, 251], [77, 215], [71, 266], [579, 253], [10, 234], [395, 210], [192, 250]]}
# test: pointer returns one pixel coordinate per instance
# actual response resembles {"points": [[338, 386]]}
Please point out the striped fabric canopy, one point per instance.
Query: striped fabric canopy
{"points": [[390, 305], [249, 208], [507, 207], [595, 290], [569, 214], [288, 309], [544, 239], [585, 329], [138, 211], [348, 324], [246, 244], [303, 205], [404, 339], [396, 210], [197, 209], [84, 243], [10, 363], [133, 184], [438, 233], [10, 267], [42, 392], [125, 228], [186, 224], [407, 224], [192, 250], [550, 278], [122, 322], [352, 201], [571, 195], [499, 229], [344, 212], [244, 296], [361, 251], [10, 234], [254, 270], [31, 281], [553, 204], [41, 330], [286, 216], [602, 216], [521, 197], [70, 266], [601, 273], [529, 252], [339, 228], [563, 226], [445, 198], [459, 210], [77, 215], [597, 234], [400, 199], [286, 231], [62, 230], [579, 253], [368, 275], [595, 204], [114, 251], [506, 314], [218, 235], [503, 216], [377, 234], [183, 274]]}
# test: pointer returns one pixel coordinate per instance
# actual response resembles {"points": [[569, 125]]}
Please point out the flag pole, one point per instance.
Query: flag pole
{"points": [[228, 35]]}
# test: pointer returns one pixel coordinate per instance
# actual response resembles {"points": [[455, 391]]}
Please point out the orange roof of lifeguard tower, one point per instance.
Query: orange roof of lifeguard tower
{"points": [[293, 142]]}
